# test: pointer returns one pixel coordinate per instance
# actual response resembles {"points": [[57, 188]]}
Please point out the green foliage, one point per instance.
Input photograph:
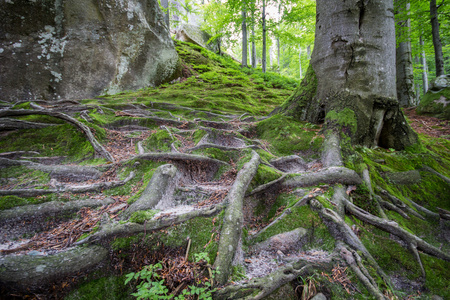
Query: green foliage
{"points": [[151, 286]]}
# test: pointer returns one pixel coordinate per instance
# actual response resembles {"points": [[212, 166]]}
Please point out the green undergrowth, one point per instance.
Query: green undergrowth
{"points": [[287, 136], [218, 84]]}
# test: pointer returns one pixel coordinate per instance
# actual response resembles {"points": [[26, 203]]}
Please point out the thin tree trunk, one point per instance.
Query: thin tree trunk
{"points": [[271, 56], [253, 41], [300, 60], [264, 37], [250, 51], [244, 38], [405, 74], [308, 51], [278, 41], [424, 66], [438, 56]]}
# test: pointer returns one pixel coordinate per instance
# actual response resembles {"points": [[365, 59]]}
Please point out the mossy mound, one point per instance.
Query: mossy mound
{"points": [[436, 104]]}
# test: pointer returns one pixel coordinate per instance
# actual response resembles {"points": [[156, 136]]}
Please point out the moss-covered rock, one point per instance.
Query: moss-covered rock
{"points": [[436, 103]]}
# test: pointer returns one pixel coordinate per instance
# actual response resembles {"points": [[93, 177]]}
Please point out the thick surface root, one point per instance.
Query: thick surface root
{"points": [[233, 219]]}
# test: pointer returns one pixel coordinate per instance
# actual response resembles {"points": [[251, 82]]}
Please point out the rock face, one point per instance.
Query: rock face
{"points": [[74, 49]]}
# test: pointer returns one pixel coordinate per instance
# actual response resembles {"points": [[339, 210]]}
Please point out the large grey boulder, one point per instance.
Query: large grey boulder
{"points": [[193, 34], [52, 49]]}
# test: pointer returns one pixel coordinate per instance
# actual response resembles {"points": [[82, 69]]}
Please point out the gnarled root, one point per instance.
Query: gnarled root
{"points": [[354, 261], [266, 285], [233, 219], [99, 149]]}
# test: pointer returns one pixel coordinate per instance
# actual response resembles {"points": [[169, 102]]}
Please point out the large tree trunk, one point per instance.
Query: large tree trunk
{"points": [[405, 75], [264, 30], [354, 63], [438, 56]]}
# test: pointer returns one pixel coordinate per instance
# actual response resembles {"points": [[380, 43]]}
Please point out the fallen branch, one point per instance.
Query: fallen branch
{"points": [[99, 149], [233, 220]]}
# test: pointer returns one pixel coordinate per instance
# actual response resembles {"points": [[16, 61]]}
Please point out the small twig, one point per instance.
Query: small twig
{"points": [[187, 250]]}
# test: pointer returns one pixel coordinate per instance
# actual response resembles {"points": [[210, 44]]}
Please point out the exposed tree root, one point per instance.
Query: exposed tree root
{"points": [[53, 208], [342, 232], [303, 201], [99, 149], [30, 272], [401, 205], [59, 172], [428, 213], [392, 227], [13, 124], [17, 154], [60, 188], [178, 157], [331, 154], [158, 188], [224, 148], [354, 261], [109, 231], [265, 186], [431, 170], [329, 175], [264, 286], [233, 219], [373, 197]]}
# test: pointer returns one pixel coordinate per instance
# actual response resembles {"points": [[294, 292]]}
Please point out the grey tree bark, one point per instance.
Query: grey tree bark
{"points": [[264, 32], [423, 60], [438, 56], [253, 41], [244, 37], [354, 63], [405, 75]]}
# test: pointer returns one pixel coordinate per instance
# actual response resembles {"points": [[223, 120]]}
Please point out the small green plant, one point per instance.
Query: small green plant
{"points": [[152, 287]]}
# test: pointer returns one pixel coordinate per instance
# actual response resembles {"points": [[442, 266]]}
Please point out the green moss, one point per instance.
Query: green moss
{"points": [[60, 140], [7, 202], [159, 141], [111, 287], [318, 235], [142, 216], [345, 118], [287, 136], [264, 175]]}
